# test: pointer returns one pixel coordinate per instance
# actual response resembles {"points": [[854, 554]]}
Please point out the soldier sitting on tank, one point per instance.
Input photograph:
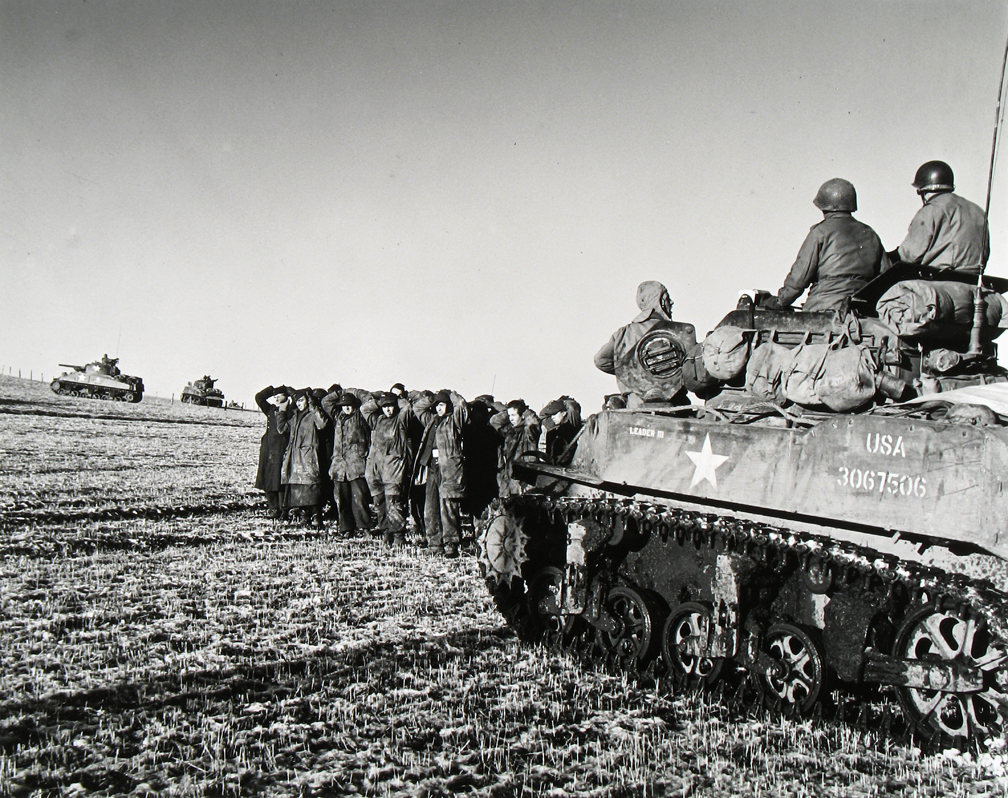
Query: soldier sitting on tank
{"points": [[109, 364], [655, 310], [949, 232], [840, 255]]}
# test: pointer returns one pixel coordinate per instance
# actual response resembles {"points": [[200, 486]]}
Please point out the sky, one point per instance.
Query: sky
{"points": [[449, 194]]}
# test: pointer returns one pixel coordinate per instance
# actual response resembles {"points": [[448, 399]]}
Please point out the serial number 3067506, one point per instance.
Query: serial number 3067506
{"points": [[884, 482]]}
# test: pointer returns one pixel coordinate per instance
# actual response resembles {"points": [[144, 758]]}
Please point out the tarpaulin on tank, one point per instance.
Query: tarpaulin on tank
{"points": [[842, 379], [994, 396], [912, 307]]}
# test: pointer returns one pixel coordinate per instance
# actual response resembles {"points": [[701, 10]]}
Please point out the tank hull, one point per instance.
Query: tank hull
{"points": [[96, 385], [197, 396], [924, 480]]}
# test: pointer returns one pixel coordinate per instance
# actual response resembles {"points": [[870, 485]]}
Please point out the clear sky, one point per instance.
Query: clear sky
{"points": [[449, 194]]}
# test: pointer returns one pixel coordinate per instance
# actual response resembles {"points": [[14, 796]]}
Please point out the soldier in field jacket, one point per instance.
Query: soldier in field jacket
{"points": [[444, 418], [387, 463], [351, 436]]}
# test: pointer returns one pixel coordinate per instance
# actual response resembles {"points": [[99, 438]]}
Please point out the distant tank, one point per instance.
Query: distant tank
{"points": [[202, 392], [99, 380], [780, 550]]}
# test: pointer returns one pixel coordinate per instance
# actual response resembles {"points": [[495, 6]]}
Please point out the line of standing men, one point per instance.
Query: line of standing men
{"points": [[383, 457]]}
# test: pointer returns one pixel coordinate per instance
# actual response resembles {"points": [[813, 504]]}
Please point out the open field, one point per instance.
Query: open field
{"points": [[159, 635]]}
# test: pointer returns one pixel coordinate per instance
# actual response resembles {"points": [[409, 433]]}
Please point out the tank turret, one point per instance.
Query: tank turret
{"points": [[828, 531], [100, 379], [203, 392]]}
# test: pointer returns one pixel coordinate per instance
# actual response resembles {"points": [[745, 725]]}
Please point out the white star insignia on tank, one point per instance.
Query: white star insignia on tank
{"points": [[706, 463]]}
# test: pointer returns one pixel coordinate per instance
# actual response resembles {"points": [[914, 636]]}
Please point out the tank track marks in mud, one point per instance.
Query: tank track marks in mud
{"points": [[914, 653]]}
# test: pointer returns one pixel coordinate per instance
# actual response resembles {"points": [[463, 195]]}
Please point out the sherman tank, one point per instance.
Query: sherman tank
{"points": [[100, 379], [819, 543], [203, 392]]}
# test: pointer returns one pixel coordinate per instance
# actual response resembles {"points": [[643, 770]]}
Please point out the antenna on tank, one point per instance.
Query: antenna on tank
{"points": [[118, 341], [979, 307]]}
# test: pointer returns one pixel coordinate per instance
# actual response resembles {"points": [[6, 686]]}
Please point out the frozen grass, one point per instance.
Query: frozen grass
{"points": [[226, 655]]}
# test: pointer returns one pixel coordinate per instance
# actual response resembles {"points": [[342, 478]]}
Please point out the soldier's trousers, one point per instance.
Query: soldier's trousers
{"points": [[387, 503], [351, 498], [442, 515]]}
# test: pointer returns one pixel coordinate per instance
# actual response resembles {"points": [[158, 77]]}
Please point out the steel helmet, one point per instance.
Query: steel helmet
{"points": [[934, 176], [836, 194]]}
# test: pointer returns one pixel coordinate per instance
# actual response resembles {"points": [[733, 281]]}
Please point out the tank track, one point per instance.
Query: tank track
{"points": [[85, 391], [871, 707]]}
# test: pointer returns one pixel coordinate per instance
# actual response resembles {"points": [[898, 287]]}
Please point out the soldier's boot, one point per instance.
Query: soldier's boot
{"points": [[451, 550], [399, 540], [389, 537]]}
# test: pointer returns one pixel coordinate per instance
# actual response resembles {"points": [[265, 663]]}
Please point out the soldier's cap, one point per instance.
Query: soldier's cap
{"points": [[517, 404], [283, 390], [443, 396], [319, 393], [556, 406], [485, 398], [301, 393], [388, 400], [335, 388], [398, 385], [347, 399], [649, 294]]}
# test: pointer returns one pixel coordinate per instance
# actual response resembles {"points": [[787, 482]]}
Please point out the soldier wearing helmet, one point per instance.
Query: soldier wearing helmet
{"points": [[949, 232], [838, 257]]}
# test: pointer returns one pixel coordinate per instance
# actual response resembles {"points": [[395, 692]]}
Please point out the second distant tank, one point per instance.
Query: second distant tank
{"points": [[203, 392], [100, 379]]}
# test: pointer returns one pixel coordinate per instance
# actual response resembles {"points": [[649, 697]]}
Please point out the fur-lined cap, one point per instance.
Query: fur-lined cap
{"points": [[347, 399]]}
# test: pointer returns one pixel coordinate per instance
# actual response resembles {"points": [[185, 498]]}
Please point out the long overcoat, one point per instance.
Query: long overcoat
{"points": [[301, 461], [272, 446]]}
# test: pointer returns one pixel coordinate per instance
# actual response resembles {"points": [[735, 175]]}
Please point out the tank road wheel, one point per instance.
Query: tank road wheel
{"points": [[796, 676], [631, 642], [56, 386], [128, 396], [685, 628], [935, 635], [502, 549]]}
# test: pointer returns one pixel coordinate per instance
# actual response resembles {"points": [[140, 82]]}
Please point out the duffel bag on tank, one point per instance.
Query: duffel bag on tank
{"points": [[914, 307], [764, 372], [840, 378], [725, 352], [695, 376]]}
